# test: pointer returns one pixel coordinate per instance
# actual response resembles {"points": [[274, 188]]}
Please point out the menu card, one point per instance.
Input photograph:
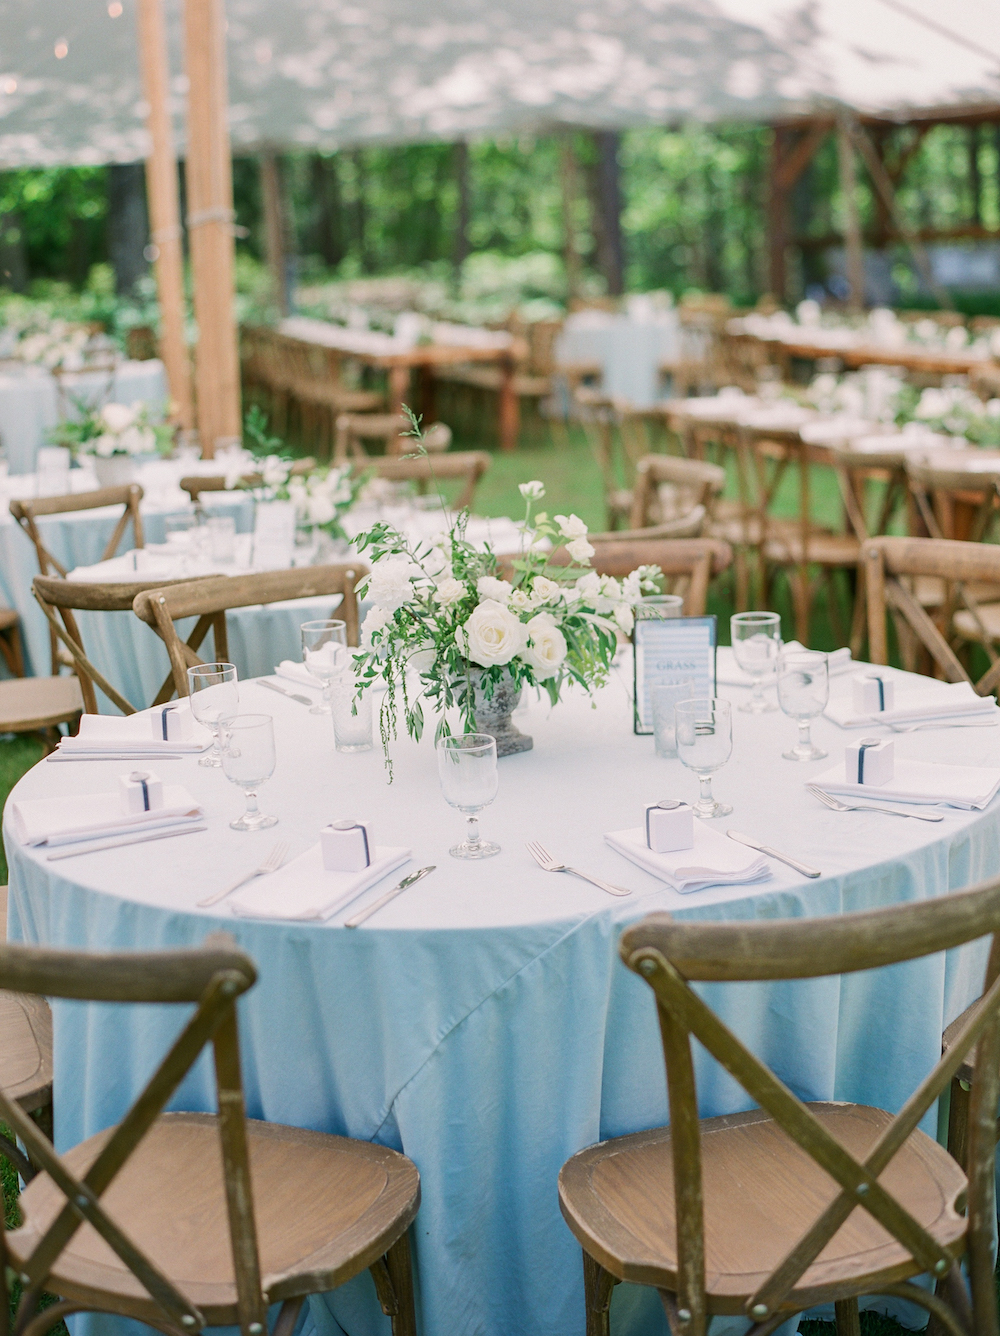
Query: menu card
{"points": [[668, 651]]}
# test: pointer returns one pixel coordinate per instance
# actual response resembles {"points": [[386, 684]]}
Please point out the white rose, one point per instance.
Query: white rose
{"points": [[532, 491], [547, 647], [117, 417], [320, 510], [489, 587], [449, 592], [521, 601], [580, 550], [274, 471], [105, 445], [389, 584], [544, 590], [375, 621], [571, 526], [492, 635]]}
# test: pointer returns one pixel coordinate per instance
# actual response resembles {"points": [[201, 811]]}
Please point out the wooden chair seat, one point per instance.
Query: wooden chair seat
{"points": [[761, 1190], [326, 1208], [821, 549], [969, 628], [29, 704]]}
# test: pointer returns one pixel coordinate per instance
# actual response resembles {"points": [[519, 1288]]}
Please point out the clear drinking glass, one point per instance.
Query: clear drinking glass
{"points": [[324, 653], [222, 538], [215, 700], [352, 716], [756, 641], [248, 760], [467, 766], [705, 744], [662, 699], [660, 605], [803, 692]]}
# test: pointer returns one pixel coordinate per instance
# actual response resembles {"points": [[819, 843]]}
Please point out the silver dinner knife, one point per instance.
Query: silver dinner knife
{"points": [[773, 853], [292, 695], [389, 895]]}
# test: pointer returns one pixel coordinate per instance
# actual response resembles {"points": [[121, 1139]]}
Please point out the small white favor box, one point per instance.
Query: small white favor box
{"points": [[347, 846], [172, 723], [669, 826], [873, 693], [140, 791], [870, 761]]}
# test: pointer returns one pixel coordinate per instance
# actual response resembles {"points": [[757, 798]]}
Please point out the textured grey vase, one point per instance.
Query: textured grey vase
{"points": [[493, 716]]}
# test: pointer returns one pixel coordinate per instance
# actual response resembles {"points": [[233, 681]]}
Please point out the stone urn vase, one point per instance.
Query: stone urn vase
{"points": [[114, 470], [493, 715]]}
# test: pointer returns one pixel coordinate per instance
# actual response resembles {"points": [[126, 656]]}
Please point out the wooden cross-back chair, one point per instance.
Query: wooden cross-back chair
{"points": [[688, 564], [195, 484], [692, 483], [600, 416], [465, 466], [209, 598], [25, 1059], [892, 566], [28, 512], [767, 1213], [64, 597], [188, 1220]]}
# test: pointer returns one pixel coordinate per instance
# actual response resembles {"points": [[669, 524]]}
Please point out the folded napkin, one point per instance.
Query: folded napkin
{"points": [[130, 733], [298, 673], [713, 861], [967, 786], [728, 673], [89, 816], [938, 700], [303, 889]]}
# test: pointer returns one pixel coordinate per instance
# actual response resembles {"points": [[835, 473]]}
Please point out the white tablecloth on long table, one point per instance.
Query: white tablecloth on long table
{"points": [[30, 401], [631, 351], [482, 1022]]}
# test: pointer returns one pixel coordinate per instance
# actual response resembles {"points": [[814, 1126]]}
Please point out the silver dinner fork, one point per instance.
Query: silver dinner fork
{"points": [[838, 806], [271, 863], [548, 864]]}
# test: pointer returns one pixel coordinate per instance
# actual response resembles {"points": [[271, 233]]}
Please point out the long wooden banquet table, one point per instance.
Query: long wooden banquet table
{"points": [[482, 1022]]}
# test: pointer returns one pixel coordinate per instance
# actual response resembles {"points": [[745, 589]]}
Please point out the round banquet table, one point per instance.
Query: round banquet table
{"points": [[482, 1022]]}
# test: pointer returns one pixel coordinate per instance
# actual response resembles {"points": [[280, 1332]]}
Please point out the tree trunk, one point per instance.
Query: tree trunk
{"points": [[272, 188], [975, 178], [568, 182], [13, 253], [361, 211], [328, 237], [607, 208], [128, 225], [462, 216]]}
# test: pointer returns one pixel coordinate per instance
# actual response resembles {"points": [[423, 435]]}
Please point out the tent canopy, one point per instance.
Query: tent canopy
{"points": [[328, 73]]}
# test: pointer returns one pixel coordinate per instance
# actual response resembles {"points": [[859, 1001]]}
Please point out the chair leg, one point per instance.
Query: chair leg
{"points": [[597, 1287], [847, 1317], [400, 1273], [288, 1317], [958, 1122]]}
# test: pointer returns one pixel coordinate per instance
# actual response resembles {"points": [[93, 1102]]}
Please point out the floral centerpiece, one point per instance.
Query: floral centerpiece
{"points": [[447, 629], [954, 410], [114, 436]]}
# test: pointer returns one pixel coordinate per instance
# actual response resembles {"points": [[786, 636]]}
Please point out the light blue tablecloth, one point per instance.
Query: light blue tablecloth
{"points": [[482, 1022]]}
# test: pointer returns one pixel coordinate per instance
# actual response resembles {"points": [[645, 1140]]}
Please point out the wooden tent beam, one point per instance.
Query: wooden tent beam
{"points": [[210, 224], [164, 210]]}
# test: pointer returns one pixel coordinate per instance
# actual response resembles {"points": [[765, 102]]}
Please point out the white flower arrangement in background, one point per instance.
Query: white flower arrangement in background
{"points": [[115, 430], [447, 614]]}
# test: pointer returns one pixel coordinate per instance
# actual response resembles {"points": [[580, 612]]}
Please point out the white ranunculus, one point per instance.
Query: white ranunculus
{"points": [[390, 584], [492, 635], [375, 621], [532, 491], [580, 550], [489, 587], [544, 590], [547, 647], [571, 526], [117, 417], [449, 591], [521, 601]]}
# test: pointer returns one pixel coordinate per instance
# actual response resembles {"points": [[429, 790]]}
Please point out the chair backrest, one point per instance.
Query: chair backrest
{"points": [[888, 563], [467, 466], [696, 483], [28, 512], [69, 596], [935, 480], [353, 429], [688, 563], [671, 956], [194, 484], [211, 978], [208, 600], [688, 526]]}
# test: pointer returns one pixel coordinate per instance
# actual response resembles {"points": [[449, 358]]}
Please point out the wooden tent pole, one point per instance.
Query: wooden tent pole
{"points": [[274, 227], [855, 255], [164, 213], [210, 224]]}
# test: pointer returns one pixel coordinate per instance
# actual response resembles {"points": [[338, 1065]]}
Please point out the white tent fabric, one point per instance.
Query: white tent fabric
{"points": [[327, 73]]}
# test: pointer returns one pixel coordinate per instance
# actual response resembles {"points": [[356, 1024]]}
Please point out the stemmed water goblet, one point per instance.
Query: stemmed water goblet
{"points": [[467, 767], [803, 693], [704, 745], [248, 760], [324, 653], [215, 700], [756, 641]]}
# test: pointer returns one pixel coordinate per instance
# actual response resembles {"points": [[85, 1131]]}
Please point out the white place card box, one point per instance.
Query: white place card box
{"points": [[668, 651]]}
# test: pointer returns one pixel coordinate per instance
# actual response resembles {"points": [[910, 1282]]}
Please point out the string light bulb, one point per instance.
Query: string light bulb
{"points": [[115, 9], [61, 49]]}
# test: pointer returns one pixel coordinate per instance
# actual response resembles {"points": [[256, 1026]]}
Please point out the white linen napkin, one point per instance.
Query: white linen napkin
{"points": [[89, 816], [303, 889], [130, 733], [713, 861], [938, 700], [966, 786], [298, 673], [728, 673]]}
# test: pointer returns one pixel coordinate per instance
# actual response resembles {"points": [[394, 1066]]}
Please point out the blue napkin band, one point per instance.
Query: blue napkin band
{"points": [[163, 719], [862, 748], [364, 835], [140, 777]]}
